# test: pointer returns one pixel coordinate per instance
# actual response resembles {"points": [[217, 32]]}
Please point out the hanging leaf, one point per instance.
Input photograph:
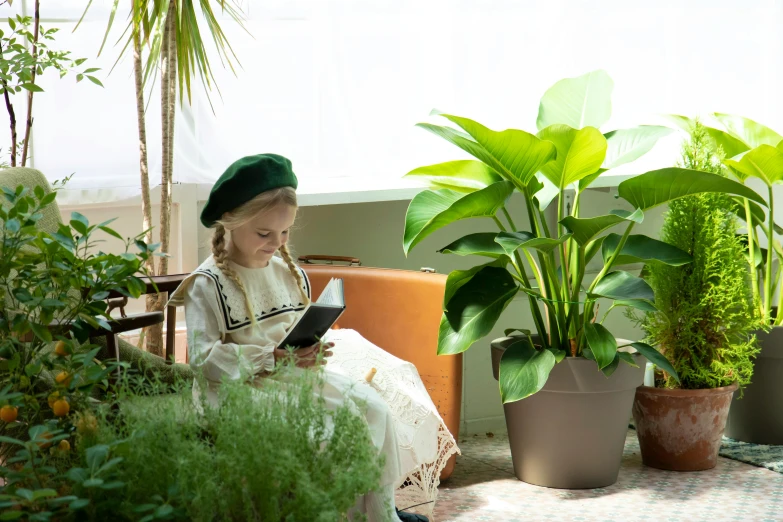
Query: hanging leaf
{"points": [[661, 186], [622, 286], [457, 278], [602, 343], [655, 357], [511, 241], [460, 176], [585, 230], [431, 210], [524, 370], [474, 309], [479, 244], [639, 248]]}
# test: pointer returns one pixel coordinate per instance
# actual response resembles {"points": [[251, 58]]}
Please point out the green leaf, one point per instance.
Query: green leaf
{"points": [[523, 370], [640, 248], [511, 241], [42, 332], [79, 503], [460, 176], [164, 511], [96, 455], [602, 343], [593, 247], [13, 514], [763, 162], [655, 357], [79, 223], [545, 191], [94, 80], [515, 154], [585, 230], [457, 278], [30, 87], [622, 285], [431, 210], [628, 358], [112, 232], [627, 145], [609, 370], [44, 493], [661, 186], [748, 131], [13, 225], [474, 309], [579, 153], [480, 244], [92, 482], [639, 304], [577, 102]]}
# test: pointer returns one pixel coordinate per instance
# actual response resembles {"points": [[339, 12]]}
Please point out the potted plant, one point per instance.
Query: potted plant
{"points": [[753, 150], [704, 325], [556, 401]]}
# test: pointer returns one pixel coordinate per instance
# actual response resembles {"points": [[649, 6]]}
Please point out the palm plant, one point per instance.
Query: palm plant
{"points": [[175, 40]]}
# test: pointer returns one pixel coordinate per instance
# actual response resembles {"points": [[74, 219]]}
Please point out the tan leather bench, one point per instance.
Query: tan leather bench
{"points": [[399, 311]]}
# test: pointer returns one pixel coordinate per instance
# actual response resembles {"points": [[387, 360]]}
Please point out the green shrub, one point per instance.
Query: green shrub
{"points": [[707, 317]]}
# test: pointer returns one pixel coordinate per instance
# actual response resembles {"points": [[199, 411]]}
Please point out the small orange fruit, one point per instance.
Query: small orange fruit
{"points": [[8, 413], [46, 435], [61, 407], [63, 378], [64, 446], [61, 348], [52, 398]]}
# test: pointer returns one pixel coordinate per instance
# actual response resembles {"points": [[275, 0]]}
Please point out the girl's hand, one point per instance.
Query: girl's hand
{"points": [[307, 357]]}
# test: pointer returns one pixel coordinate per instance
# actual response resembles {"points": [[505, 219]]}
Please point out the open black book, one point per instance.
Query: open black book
{"points": [[319, 317]]}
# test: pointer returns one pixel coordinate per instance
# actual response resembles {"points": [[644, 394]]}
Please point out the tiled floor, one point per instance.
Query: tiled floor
{"points": [[484, 488]]}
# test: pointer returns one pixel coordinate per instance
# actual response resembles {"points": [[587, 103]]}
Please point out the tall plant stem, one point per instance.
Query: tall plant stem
{"points": [[770, 248], [754, 276], [29, 119], [523, 278]]}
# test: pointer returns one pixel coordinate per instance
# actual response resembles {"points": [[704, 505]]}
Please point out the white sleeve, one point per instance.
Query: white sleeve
{"points": [[206, 349]]}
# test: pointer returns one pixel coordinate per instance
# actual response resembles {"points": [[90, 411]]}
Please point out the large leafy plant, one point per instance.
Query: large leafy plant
{"points": [[547, 262], [753, 150], [706, 316]]}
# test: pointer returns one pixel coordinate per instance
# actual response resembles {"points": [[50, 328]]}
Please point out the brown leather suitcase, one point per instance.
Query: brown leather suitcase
{"points": [[399, 311]]}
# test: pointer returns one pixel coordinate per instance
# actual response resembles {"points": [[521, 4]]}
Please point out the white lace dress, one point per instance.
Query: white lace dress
{"points": [[222, 342]]}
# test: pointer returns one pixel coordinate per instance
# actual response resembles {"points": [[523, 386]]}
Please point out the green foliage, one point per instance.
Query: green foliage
{"points": [[273, 452], [707, 313], [546, 263]]}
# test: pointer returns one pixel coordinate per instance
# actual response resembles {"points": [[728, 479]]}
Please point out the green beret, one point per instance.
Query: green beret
{"points": [[245, 179]]}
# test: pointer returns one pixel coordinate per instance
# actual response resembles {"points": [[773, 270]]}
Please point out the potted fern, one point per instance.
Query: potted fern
{"points": [[704, 325], [571, 379], [752, 154]]}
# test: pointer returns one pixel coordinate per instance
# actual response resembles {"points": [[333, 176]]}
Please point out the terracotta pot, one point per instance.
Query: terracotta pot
{"points": [[577, 399], [758, 415], [681, 430]]}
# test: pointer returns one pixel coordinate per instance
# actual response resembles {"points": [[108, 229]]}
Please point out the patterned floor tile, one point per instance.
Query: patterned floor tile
{"points": [[483, 488]]}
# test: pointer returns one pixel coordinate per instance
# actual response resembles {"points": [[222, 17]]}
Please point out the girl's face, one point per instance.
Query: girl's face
{"points": [[254, 243]]}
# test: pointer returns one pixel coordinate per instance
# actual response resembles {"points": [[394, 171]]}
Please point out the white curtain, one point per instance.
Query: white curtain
{"points": [[338, 85]]}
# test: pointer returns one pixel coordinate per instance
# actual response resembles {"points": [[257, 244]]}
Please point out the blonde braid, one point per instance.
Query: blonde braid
{"points": [[220, 254], [286, 255]]}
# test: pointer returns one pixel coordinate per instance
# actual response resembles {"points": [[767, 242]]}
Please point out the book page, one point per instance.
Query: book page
{"points": [[332, 294]]}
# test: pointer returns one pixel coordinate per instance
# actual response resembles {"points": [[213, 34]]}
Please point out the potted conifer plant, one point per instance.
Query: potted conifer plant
{"points": [[570, 387], [753, 152], [704, 325]]}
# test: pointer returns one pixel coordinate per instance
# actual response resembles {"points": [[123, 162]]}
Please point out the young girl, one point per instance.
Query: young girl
{"points": [[241, 302]]}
